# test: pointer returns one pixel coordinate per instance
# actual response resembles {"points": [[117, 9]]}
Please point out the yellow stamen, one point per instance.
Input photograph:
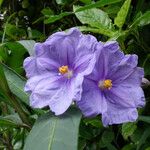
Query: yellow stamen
{"points": [[63, 69], [105, 84]]}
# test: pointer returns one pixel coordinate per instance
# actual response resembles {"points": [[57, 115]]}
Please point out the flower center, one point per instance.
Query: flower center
{"points": [[105, 84], [64, 70]]}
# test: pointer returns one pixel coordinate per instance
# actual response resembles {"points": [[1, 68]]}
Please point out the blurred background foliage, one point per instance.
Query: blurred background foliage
{"points": [[22, 22]]}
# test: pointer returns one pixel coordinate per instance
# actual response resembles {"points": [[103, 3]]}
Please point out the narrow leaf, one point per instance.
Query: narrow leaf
{"points": [[16, 84], [122, 14], [144, 136], [142, 20], [106, 32], [55, 132], [11, 121], [54, 18], [4, 122], [144, 119], [100, 3]]}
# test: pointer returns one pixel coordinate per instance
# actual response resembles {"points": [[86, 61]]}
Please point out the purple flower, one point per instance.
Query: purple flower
{"points": [[57, 69], [113, 88]]}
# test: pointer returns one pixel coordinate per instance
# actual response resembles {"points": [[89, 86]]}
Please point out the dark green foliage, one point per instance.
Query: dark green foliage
{"points": [[22, 22]]}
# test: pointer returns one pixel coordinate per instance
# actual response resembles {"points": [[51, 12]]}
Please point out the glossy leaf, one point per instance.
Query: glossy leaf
{"points": [[16, 84], [142, 20], [103, 31], [54, 18], [122, 14], [55, 132], [28, 45], [144, 119], [95, 18], [100, 3], [15, 56]]}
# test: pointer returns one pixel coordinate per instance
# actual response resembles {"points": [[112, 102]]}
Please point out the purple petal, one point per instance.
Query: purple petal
{"points": [[125, 68], [62, 46], [30, 67], [44, 91], [134, 78], [93, 101], [61, 100], [54, 91], [76, 83], [125, 96], [34, 81], [41, 50], [85, 55], [47, 65], [115, 115], [35, 66], [108, 57], [85, 64]]}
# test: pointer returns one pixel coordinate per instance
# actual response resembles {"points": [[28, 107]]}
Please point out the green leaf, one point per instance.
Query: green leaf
{"points": [[144, 136], [128, 129], [47, 11], [103, 31], [63, 2], [86, 1], [1, 1], [146, 64], [28, 45], [107, 137], [16, 84], [14, 32], [54, 18], [129, 147], [7, 123], [15, 56], [100, 3], [3, 53], [122, 14], [111, 147], [4, 89], [95, 18], [144, 119], [142, 20], [55, 132], [11, 121], [25, 4], [94, 122]]}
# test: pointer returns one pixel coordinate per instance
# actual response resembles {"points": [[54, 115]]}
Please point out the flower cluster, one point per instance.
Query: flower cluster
{"points": [[72, 66]]}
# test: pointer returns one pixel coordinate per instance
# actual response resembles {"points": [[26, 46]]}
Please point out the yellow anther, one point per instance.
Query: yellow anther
{"points": [[107, 84], [63, 69]]}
